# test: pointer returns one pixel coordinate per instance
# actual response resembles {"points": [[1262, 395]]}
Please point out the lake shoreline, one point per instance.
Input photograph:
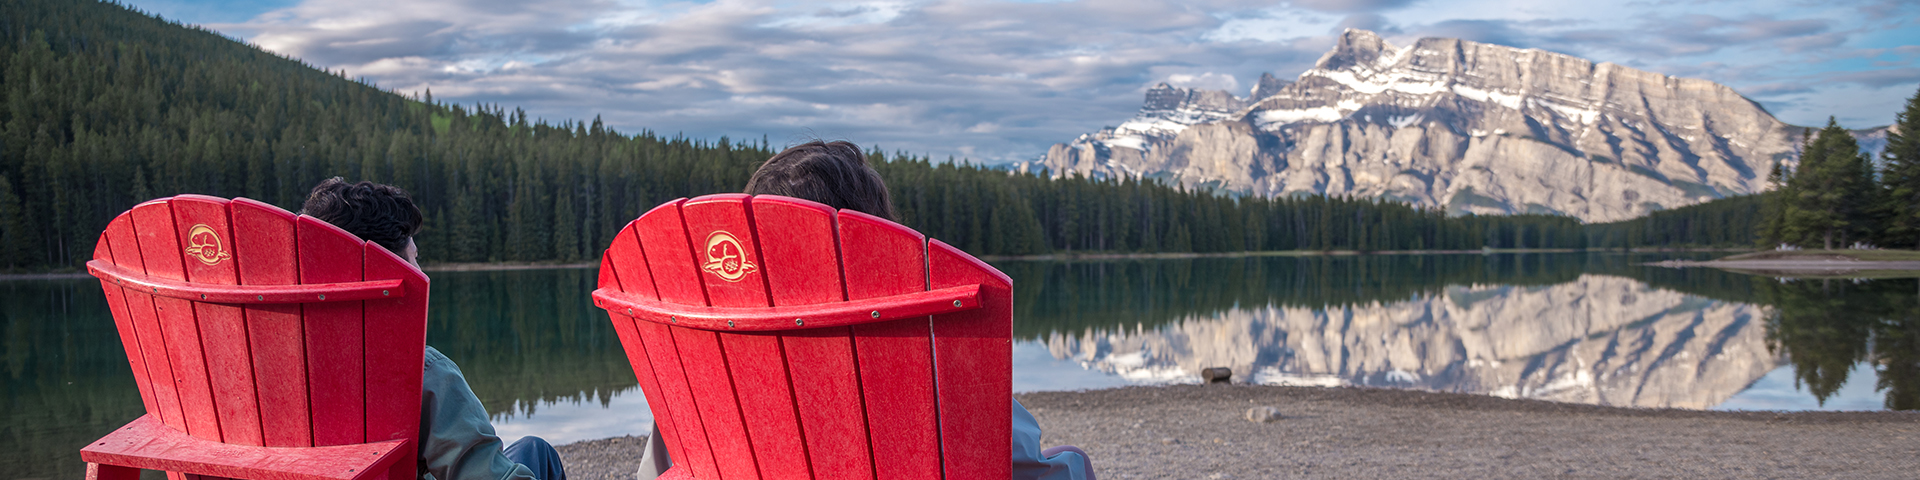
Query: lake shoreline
{"points": [[1069, 256], [1201, 431], [431, 267], [1812, 263]]}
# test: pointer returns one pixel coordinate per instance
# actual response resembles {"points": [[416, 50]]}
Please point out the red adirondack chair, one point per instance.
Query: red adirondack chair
{"points": [[776, 338], [265, 345]]}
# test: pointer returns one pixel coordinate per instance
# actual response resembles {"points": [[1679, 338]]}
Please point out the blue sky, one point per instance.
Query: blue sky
{"points": [[999, 81]]}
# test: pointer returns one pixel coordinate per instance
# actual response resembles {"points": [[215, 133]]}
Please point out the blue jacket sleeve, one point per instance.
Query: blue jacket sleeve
{"points": [[456, 439], [1027, 460]]}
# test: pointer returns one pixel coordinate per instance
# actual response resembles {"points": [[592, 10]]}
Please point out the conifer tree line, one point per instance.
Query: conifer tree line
{"points": [[985, 210], [107, 107], [1725, 223], [1836, 197]]}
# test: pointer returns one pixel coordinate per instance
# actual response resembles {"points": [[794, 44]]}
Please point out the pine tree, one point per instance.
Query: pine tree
{"points": [[1831, 196], [1773, 229], [1901, 176], [13, 228]]}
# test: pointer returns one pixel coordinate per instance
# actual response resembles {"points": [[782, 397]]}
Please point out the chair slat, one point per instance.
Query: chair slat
{"points": [[735, 275], [689, 431], [628, 261], [973, 352], [236, 295], [881, 258], [708, 374], [804, 269], [203, 227], [396, 329], [714, 399], [663, 239], [624, 267], [670, 256], [793, 317], [123, 324], [264, 251], [335, 337], [144, 443], [160, 249]]}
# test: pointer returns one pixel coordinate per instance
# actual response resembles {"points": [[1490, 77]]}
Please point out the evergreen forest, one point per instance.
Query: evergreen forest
{"points": [[105, 106]]}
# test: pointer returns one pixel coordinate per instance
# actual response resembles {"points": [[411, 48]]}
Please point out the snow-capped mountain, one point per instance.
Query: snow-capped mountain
{"points": [[1467, 126]]}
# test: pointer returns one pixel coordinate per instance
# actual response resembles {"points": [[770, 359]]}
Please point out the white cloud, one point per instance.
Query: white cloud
{"points": [[1002, 80], [1206, 81]]}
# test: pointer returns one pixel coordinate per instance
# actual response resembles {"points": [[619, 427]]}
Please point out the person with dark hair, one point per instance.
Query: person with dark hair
{"points": [[457, 441], [837, 174]]}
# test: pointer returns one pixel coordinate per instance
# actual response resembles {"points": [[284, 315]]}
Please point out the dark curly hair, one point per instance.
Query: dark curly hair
{"points": [[379, 213], [835, 174]]}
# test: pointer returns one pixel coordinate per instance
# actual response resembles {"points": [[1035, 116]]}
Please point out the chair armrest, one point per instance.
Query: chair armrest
{"points": [[796, 317], [147, 444], [248, 294]]}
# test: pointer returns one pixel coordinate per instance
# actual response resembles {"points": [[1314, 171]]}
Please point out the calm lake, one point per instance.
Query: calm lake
{"points": [[1577, 327]]}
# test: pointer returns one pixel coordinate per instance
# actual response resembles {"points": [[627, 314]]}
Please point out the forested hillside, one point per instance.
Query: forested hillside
{"points": [[106, 107], [1725, 223]]}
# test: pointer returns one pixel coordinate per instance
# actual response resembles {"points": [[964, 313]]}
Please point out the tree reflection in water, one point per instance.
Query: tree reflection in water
{"points": [[1823, 327], [527, 338]]}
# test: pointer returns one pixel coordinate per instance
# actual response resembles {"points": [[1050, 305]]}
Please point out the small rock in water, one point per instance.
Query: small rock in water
{"points": [[1168, 441], [1263, 414], [1217, 375]]}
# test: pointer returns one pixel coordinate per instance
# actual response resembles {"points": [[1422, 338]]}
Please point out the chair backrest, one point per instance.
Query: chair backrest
{"points": [[246, 324], [777, 338]]}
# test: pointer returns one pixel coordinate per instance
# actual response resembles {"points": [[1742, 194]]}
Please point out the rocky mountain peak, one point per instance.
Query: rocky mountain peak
{"points": [[1446, 123], [1356, 47], [1267, 86], [1164, 99]]}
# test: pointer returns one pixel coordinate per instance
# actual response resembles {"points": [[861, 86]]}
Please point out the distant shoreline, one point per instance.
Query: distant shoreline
{"points": [[1812, 263], [1069, 256], [1333, 253]]}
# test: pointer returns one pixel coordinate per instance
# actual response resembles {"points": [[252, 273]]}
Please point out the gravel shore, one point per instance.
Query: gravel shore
{"points": [[1202, 432]]}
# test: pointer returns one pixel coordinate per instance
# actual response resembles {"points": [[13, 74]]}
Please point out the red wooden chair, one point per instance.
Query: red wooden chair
{"points": [[776, 338], [265, 345]]}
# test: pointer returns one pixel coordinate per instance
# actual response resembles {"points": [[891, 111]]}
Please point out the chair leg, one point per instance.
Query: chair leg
{"points": [[97, 471]]}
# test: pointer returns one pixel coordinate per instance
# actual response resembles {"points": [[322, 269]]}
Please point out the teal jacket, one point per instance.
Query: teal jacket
{"points": [[456, 439]]}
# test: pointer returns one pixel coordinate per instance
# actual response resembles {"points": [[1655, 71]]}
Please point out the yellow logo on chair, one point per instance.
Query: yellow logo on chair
{"points": [[204, 244], [726, 258]]}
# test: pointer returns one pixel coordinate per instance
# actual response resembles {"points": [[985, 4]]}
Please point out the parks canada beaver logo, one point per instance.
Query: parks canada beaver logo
{"points": [[204, 244], [725, 257]]}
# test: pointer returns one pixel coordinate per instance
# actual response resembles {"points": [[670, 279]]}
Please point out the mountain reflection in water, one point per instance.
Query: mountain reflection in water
{"points": [[1596, 339], [1594, 329]]}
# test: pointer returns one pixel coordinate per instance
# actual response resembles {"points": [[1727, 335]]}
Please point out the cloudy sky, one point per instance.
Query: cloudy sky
{"points": [[999, 81]]}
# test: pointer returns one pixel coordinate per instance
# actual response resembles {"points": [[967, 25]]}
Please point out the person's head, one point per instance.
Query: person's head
{"points": [[374, 212], [834, 173]]}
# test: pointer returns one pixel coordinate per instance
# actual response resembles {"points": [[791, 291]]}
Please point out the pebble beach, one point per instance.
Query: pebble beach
{"points": [[1228, 431]]}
